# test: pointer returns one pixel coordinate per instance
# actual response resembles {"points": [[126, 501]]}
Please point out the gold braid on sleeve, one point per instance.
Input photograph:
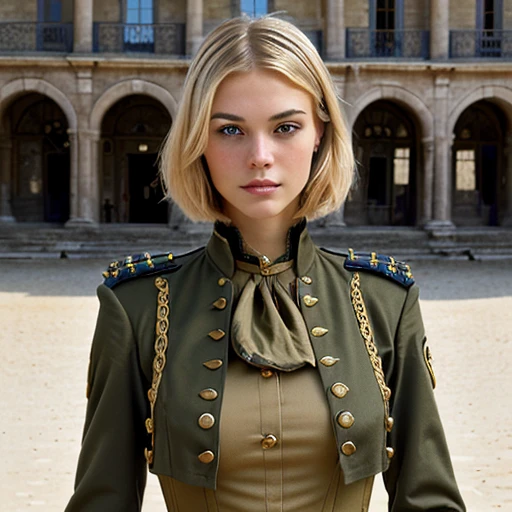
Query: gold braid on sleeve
{"points": [[161, 343], [367, 334]]}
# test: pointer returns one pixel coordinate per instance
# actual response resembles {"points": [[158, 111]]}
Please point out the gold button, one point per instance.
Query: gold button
{"points": [[390, 452], [206, 421], [339, 390], [206, 457], [222, 281], [319, 331], [389, 423], [208, 394], [329, 360], [266, 374], [220, 303], [217, 334], [306, 279], [269, 441], [345, 419], [348, 448], [213, 364], [310, 301]]}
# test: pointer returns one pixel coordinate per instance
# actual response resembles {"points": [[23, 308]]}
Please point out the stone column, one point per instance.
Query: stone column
{"points": [[83, 19], [442, 204], [335, 30], [84, 178], [5, 180], [428, 181], [439, 29], [194, 26], [507, 168]]}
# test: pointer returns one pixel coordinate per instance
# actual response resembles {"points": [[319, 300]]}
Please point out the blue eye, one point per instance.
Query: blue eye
{"points": [[230, 130], [287, 128]]}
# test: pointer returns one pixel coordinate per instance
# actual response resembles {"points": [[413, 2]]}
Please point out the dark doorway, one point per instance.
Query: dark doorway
{"points": [[56, 198], [477, 165], [147, 204], [385, 148]]}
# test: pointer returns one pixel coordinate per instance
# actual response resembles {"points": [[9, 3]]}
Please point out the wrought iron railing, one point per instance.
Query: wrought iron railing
{"points": [[469, 44], [159, 38], [363, 43], [21, 36]]}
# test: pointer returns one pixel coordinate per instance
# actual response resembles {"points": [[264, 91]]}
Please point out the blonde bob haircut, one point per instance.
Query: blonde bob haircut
{"points": [[241, 45]]}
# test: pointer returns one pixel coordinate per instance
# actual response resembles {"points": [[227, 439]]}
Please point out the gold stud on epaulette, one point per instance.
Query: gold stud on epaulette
{"points": [[114, 264], [408, 272], [105, 274], [150, 263], [115, 273], [170, 256], [374, 260], [351, 255], [392, 265], [131, 266]]}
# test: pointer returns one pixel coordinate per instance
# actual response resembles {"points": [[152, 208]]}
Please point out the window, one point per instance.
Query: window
{"points": [[139, 11], [254, 8], [51, 11], [138, 32], [489, 22], [385, 19], [401, 166], [465, 170]]}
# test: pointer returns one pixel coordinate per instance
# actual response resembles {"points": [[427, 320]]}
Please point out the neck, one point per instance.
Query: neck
{"points": [[266, 237]]}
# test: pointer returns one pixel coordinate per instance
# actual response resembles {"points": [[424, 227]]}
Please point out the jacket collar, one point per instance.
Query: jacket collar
{"points": [[225, 246]]}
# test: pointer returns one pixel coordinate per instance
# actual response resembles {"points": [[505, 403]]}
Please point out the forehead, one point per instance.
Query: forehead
{"points": [[261, 88]]}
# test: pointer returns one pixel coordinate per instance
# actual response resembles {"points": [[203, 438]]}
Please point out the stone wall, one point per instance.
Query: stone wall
{"points": [[463, 14], [416, 14]]}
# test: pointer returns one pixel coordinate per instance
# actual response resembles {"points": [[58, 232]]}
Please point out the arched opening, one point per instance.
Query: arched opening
{"points": [[478, 165], [385, 146], [132, 132], [40, 159]]}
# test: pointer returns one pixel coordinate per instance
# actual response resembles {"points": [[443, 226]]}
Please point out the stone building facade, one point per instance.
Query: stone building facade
{"points": [[89, 88]]}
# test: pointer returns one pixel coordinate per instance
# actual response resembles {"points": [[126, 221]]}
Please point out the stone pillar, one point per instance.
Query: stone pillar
{"points": [[335, 30], [82, 27], [442, 204], [194, 26], [428, 181], [507, 168], [439, 29], [84, 178], [5, 180]]}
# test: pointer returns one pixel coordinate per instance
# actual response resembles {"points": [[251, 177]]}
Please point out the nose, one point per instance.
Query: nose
{"points": [[260, 152]]}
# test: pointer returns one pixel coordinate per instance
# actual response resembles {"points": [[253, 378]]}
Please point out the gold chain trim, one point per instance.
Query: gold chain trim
{"points": [[367, 334], [161, 343]]}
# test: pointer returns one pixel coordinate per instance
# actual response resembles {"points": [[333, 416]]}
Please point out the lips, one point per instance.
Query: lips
{"points": [[261, 187]]}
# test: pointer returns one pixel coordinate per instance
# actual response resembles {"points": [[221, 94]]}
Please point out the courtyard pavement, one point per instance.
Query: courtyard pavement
{"points": [[47, 316]]}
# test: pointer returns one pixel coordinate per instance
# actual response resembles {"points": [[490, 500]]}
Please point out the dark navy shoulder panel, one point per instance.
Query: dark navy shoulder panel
{"points": [[138, 265], [385, 266]]}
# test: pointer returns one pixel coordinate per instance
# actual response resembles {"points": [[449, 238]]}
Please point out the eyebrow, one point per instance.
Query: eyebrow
{"points": [[275, 117]]}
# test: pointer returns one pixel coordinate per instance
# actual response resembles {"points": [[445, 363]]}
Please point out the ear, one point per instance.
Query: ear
{"points": [[320, 129]]}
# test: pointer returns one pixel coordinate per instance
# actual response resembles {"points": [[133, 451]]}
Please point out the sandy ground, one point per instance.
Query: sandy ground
{"points": [[47, 316]]}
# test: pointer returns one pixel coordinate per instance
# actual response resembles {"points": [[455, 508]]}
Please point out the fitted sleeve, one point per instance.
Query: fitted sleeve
{"points": [[111, 474], [420, 476]]}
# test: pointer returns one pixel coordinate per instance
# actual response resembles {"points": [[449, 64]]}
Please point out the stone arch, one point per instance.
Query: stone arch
{"points": [[127, 88], [20, 86], [502, 96], [401, 96]]}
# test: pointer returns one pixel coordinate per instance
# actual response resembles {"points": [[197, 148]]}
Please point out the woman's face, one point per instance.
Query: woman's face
{"points": [[262, 136]]}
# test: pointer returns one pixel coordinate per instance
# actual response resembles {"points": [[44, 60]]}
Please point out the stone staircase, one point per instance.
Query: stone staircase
{"points": [[25, 240]]}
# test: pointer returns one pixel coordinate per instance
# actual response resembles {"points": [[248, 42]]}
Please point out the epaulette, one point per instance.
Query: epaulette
{"points": [[136, 266], [386, 266]]}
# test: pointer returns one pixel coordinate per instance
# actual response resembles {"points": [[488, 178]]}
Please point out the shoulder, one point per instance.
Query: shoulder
{"points": [[141, 265], [381, 265]]}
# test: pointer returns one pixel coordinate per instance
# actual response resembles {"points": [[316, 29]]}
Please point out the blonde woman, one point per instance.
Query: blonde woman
{"points": [[260, 372]]}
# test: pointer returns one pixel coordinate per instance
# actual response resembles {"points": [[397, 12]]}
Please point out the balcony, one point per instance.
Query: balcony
{"points": [[481, 44], [158, 38], [21, 36], [363, 43]]}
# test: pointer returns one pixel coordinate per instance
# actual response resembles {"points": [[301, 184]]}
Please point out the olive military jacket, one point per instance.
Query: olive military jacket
{"points": [[369, 343]]}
